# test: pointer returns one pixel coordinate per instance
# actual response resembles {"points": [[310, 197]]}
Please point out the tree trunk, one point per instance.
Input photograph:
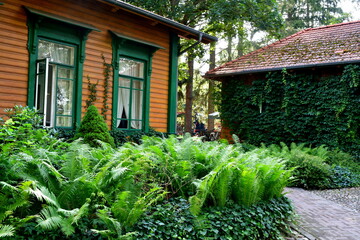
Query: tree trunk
{"points": [[211, 107], [229, 47], [189, 95]]}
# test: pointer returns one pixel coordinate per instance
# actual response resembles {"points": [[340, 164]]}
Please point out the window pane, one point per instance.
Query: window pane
{"points": [[136, 124], [124, 82], [137, 84], [63, 121], [57, 53], [131, 68], [136, 105], [64, 97], [65, 73]]}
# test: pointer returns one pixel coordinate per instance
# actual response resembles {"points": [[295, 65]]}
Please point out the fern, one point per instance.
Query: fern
{"points": [[6, 231]]}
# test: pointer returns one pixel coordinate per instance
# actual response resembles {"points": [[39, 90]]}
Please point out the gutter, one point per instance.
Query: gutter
{"points": [[280, 68], [206, 38]]}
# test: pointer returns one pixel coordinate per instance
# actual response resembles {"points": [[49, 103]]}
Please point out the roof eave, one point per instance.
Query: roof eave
{"points": [[230, 74], [194, 34]]}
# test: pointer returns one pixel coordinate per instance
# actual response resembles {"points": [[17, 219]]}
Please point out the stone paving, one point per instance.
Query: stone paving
{"points": [[322, 219]]}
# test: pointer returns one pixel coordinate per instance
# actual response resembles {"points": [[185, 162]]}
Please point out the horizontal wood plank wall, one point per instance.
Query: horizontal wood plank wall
{"points": [[14, 55]]}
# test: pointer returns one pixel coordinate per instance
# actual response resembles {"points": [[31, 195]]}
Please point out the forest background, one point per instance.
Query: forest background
{"points": [[241, 26]]}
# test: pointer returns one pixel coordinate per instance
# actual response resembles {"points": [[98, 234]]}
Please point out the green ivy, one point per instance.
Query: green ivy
{"points": [[173, 220], [92, 93], [296, 107], [106, 73]]}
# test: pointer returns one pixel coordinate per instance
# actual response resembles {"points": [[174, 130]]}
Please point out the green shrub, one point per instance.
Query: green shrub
{"points": [[319, 167], [93, 129], [311, 172], [173, 220]]}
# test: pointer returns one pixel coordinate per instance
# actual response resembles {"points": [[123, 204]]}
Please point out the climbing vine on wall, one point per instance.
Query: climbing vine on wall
{"points": [[291, 107], [106, 73], [92, 93]]}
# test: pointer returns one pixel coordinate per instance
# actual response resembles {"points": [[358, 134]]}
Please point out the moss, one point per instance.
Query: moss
{"points": [[94, 128]]}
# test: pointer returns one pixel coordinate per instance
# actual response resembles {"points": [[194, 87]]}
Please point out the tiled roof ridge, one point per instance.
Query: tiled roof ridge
{"points": [[280, 41]]}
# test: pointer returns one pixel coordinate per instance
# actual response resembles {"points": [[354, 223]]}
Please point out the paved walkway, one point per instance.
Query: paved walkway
{"points": [[322, 219]]}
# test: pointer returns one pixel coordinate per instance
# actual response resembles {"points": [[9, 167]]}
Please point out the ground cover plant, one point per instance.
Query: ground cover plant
{"points": [[58, 190]]}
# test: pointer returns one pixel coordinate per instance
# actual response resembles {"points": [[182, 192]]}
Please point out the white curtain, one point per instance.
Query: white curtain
{"points": [[123, 103], [56, 52], [136, 108]]}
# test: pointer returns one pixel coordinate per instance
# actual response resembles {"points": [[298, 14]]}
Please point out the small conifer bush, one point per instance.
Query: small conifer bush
{"points": [[93, 128]]}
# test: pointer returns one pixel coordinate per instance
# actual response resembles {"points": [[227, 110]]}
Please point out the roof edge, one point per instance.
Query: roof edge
{"points": [[206, 38], [280, 41], [214, 76]]}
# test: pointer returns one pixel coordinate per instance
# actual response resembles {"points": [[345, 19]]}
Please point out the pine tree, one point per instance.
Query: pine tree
{"points": [[94, 128]]}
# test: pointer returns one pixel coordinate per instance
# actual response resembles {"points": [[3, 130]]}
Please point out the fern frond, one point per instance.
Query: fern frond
{"points": [[6, 231], [43, 194], [49, 218], [111, 223]]}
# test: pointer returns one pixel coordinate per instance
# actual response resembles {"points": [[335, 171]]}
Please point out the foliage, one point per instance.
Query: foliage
{"points": [[246, 179], [310, 13], [63, 134], [302, 108], [317, 168], [173, 220], [121, 137], [74, 191], [92, 186], [93, 129], [21, 132], [92, 95], [106, 73]]}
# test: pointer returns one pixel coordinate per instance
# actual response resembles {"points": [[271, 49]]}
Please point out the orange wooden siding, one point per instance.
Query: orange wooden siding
{"points": [[14, 55]]}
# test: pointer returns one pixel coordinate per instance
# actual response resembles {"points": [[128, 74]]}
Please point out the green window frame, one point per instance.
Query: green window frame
{"points": [[134, 50], [65, 34], [131, 89]]}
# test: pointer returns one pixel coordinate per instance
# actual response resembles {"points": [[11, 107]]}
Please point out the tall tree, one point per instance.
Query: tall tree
{"points": [[300, 14]]}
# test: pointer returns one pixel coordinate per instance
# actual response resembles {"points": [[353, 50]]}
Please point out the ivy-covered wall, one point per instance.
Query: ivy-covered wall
{"points": [[314, 107]]}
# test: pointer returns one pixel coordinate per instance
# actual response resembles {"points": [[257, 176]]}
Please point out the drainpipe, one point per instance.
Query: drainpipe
{"points": [[192, 46]]}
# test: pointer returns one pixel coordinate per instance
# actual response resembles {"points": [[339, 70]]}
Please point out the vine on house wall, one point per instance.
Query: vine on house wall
{"points": [[302, 108], [107, 74], [92, 95]]}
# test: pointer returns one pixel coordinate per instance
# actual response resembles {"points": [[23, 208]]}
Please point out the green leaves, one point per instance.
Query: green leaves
{"points": [[172, 220], [246, 179], [302, 108], [93, 129], [6, 231]]}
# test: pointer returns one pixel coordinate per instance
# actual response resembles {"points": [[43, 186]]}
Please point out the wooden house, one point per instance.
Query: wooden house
{"points": [[50, 50], [319, 52]]}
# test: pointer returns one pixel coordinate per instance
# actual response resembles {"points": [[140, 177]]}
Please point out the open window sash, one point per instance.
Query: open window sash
{"points": [[44, 91]]}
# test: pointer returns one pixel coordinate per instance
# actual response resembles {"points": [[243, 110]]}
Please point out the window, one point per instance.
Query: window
{"points": [[54, 86], [57, 52], [132, 70], [130, 94]]}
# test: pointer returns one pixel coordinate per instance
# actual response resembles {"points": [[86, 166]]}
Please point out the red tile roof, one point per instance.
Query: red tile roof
{"points": [[333, 44]]}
